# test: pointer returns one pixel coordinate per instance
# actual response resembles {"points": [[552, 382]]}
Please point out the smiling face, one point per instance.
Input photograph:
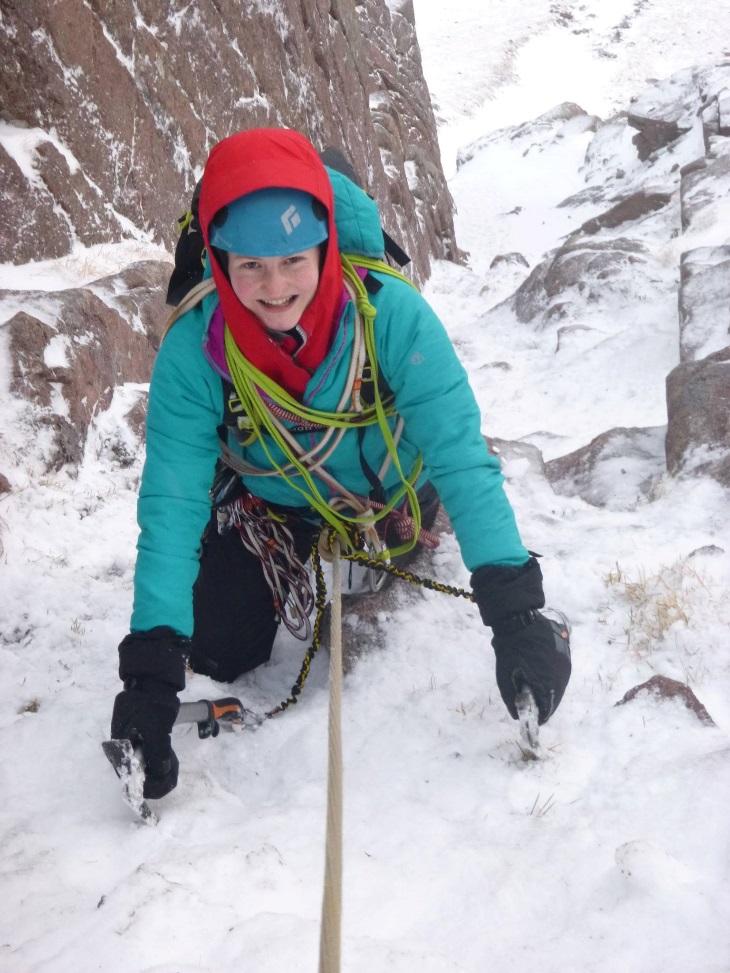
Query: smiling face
{"points": [[276, 289]]}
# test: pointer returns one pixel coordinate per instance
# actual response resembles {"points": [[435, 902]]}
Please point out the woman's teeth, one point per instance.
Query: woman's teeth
{"points": [[280, 303]]}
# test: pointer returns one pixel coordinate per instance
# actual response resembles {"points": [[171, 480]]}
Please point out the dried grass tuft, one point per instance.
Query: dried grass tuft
{"points": [[657, 602]]}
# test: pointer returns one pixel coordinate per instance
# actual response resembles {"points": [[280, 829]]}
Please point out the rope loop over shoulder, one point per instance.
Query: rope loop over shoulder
{"points": [[285, 456]]}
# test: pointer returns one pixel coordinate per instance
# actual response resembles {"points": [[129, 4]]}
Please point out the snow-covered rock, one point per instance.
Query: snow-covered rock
{"points": [[68, 351], [704, 302], [615, 470]]}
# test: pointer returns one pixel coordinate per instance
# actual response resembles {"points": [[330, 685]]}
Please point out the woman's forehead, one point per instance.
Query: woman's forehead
{"points": [[247, 258]]}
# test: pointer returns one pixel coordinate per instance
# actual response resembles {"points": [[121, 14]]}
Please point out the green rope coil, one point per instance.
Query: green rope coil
{"points": [[249, 382]]}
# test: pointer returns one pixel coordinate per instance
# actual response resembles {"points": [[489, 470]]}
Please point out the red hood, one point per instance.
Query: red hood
{"points": [[261, 159]]}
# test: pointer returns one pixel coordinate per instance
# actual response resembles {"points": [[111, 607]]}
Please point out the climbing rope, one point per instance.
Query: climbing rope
{"points": [[376, 565], [331, 921], [321, 605], [359, 557], [328, 544]]}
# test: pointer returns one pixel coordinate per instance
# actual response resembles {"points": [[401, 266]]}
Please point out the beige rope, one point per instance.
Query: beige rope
{"points": [[193, 297], [331, 924]]}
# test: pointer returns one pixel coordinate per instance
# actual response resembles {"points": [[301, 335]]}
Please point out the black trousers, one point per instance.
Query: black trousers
{"points": [[235, 621]]}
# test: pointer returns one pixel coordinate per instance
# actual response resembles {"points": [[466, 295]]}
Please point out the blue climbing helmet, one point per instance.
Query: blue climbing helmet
{"points": [[270, 223]]}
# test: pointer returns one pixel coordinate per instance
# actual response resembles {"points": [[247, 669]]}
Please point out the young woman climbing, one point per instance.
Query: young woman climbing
{"points": [[305, 386]]}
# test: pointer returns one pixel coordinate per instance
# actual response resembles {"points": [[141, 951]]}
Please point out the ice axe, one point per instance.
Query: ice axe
{"points": [[128, 761], [528, 714]]}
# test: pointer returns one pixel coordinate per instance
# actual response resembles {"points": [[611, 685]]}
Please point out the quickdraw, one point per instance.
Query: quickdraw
{"points": [[269, 539]]}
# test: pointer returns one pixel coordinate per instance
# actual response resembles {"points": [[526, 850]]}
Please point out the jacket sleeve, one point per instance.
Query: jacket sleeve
{"points": [[442, 420], [185, 408]]}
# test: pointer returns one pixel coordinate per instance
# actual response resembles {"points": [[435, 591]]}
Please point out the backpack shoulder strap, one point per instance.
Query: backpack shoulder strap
{"points": [[379, 266], [191, 300]]}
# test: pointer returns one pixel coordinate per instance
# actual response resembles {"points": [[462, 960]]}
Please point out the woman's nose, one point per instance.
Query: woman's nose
{"points": [[274, 279]]}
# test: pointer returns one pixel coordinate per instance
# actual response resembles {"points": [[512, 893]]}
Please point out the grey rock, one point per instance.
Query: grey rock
{"points": [[723, 105], [533, 132], [616, 469], [510, 450], [583, 267], [698, 411], [704, 302], [567, 333], [591, 194], [707, 550], [668, 108], [633, 207], [508, 258], [530, 299], [702, 185], [654, 133]]}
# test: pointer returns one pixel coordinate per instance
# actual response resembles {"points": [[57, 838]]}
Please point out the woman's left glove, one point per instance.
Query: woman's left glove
{"points": [[531, 650], [152, 665]]}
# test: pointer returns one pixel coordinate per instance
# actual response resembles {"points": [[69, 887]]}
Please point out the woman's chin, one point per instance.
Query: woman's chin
{"points": [[279, 322]]}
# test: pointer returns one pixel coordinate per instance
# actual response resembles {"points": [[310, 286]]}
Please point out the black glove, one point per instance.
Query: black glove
{"points": [[535, 655], [531, 650], [152, 665]]}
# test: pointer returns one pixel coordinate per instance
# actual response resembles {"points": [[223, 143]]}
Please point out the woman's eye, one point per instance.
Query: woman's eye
{"points": [[249, 265]]}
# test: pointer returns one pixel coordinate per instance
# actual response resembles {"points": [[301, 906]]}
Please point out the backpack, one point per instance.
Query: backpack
{"points": [[189, 251]]}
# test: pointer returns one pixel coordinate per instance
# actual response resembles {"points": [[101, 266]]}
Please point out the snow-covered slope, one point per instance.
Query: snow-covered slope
{"points": [[611, 853]]}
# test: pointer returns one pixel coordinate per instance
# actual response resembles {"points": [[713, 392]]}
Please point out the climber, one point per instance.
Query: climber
{"points": [[327, 376]]}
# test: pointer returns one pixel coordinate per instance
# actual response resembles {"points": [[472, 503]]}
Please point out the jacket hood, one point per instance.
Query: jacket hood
{"points": [[268, 158]]}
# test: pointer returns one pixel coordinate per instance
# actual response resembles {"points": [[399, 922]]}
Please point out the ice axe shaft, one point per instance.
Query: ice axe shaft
{"points": [[210, 713]]}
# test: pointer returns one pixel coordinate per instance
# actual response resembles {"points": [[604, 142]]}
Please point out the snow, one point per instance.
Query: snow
{"points": [[513, 64], [609, 854], [21, 143], [82, 265]]}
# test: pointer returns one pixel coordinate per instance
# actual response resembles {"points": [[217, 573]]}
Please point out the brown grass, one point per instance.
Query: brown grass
{"points": [[657, 602]]}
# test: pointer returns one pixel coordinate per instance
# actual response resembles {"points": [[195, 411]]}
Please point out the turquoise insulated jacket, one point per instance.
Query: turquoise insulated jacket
{"points": [[432, 394]]}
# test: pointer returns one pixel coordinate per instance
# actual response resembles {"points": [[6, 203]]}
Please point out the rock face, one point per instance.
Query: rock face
{"points": [[577, 272], [70, 349], [109, 111], [704, 302], [667, 110], [698, 409], [698, 389]]}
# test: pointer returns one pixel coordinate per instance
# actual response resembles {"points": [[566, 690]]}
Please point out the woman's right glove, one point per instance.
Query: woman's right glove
{"points": [[531, 650], [152, 666]]}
